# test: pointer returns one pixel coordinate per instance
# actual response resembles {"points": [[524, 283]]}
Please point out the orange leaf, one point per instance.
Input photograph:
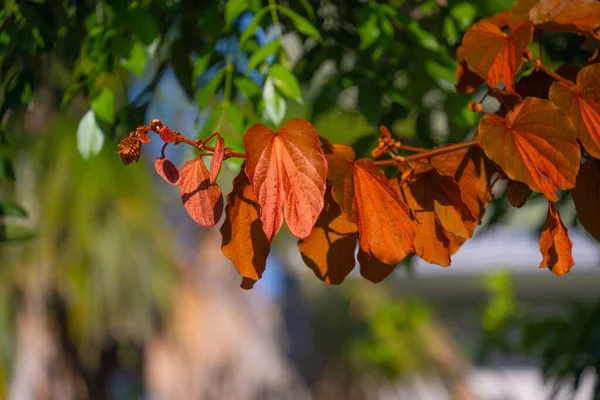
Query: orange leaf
{"points": [[555, 244], [385, 228], [576, 16], [244, 241], [495, 55], [517, 193], [339, 166], [217, 159], [286, 169], [167, 170], [586, 196], [373, 269], [582, 102], [466, 80], [330, 247], [535, 144], [508, 101], [472, 170], [437, 205], [202, 200]]}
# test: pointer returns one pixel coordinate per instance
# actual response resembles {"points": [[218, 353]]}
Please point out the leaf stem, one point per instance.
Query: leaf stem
{"points": [[537, 64], [275, 17]]}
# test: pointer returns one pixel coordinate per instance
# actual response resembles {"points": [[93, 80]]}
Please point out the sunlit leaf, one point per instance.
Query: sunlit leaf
{"points": [[90, 137], [233, 8], [285, 81], [555, 244], [202, 200], [287, 169], [576, 16], [535, 144], [495, 55], [582, 103], [340, 173], [262, 54], [244, 241], [301, 24], [385, 228], [217, 159], [167, 170]]}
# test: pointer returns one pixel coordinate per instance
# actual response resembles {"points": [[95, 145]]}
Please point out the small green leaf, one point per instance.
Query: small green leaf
{"points": [[247, 87], [262, 53], [253, 25], [104, 105], [285, 81], [302, 24], [308, 8], [15, 233], [233, 8], [275, 105], [464, 14], [207, 92], [369, 31], [137, 59], [201, 65], [90, 137], [425, 39], [9, 209]]}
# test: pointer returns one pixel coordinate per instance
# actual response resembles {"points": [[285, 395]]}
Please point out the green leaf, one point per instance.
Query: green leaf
{"points": [[308, 8], [201, 65], [6, 169], [262, 54], [9, 209], [425, 39], [253, 25], [207, 92], [104, 105], [90, 137], [274, 104], [15, 233], [137, 59], [211, 121], [301, 24], [369, 31], [233, 8], [247, 87], [285, 81], [464, 14], [436, 71]]}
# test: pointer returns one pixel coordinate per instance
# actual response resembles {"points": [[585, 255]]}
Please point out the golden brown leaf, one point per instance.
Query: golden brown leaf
{"points": [[582, 102], [535, 144], [286, 169], [340, 173], [373, 269], [244, 241], [329, 249], [586, 196], [555, 244], [217, 159], [495, 55], [202, 200], [576, 16], [385, 228]]}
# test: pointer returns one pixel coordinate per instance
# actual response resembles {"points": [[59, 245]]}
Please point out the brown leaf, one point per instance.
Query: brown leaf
{"points": [[340, 173], [217, 159], [517, 193], [385, 228], [286, 169], [535, 144], [576, 16], [202, 200], [467, 80], [329, 249], [244, 241], [508, 101], [582, 102], [495, 55], [472, 170], [373, 269], [586, 196], [167, 170], [555, 244]]}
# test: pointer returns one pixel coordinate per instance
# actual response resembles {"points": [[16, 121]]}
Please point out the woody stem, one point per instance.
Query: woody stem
{"points": [[430, 153]]}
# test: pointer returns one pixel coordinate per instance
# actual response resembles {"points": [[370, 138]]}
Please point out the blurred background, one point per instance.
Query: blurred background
{"points": [[108, 290]]}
